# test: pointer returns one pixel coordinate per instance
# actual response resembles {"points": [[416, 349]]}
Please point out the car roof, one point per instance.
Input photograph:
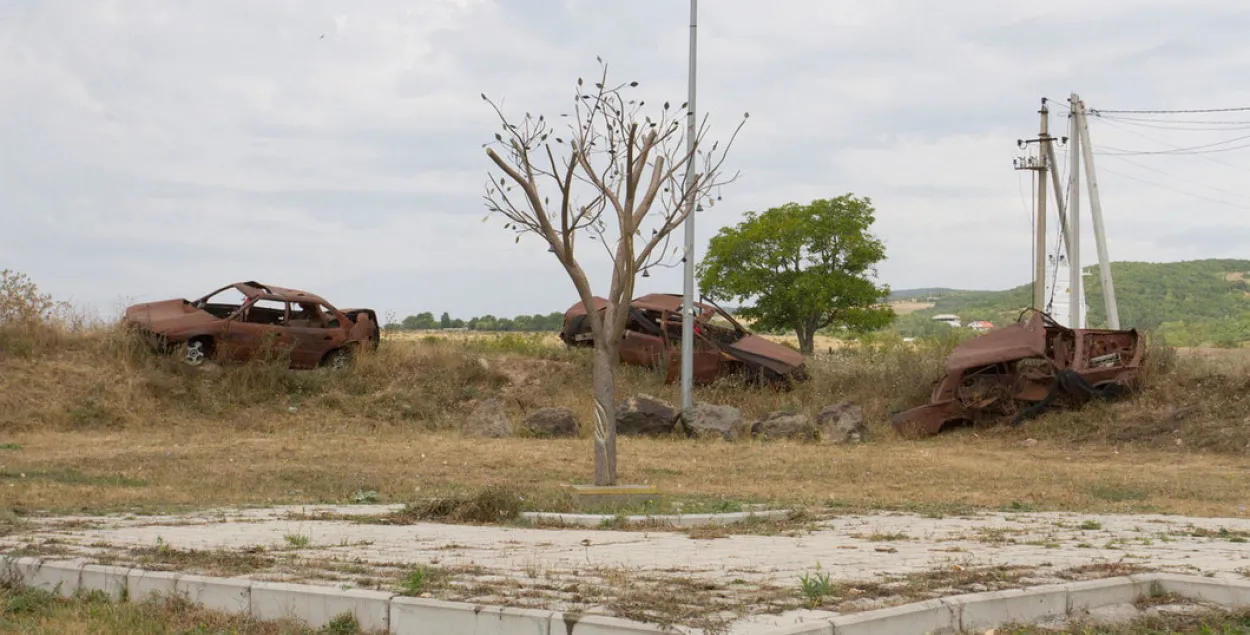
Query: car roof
{"points": [[258, 291]]}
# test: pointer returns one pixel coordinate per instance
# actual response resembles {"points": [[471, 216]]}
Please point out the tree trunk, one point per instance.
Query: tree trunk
{"points": [[807, 339], [603, 377]]}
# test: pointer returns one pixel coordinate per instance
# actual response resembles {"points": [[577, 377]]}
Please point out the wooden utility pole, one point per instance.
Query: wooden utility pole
{"points": [[1095, 211]]}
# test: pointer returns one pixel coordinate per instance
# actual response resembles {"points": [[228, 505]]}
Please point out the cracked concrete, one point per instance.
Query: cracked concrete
{"points": [[849, 548]]}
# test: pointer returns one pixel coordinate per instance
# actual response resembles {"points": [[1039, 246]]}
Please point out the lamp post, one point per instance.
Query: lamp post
{"points": [[687, 322]]}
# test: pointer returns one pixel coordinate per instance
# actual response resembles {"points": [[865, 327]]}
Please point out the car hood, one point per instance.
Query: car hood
{"points": [[767, 353], [167, 316]]}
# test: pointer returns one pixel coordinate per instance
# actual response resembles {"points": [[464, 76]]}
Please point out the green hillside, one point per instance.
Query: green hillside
{"points": [[1191, 303]]}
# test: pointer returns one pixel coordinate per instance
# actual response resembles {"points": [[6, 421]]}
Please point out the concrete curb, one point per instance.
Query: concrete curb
{"points": [[386, 612], [672, 520]]}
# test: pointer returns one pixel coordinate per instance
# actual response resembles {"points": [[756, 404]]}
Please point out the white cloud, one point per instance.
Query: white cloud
{"points": [[158, 149]]}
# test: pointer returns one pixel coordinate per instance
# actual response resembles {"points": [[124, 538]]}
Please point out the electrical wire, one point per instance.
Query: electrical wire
{"points": [[1208, 148], [1171, 112], [1173, 176], [1173, 146], [1187, 126], [1172, 189]]}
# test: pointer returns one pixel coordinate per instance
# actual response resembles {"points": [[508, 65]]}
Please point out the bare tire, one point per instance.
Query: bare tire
{"points": [[338, 359], [196, 352]]}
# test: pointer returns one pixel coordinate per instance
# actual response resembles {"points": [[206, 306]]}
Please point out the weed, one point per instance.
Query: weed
{"points": [[342, 624], [1090, 525], [414, 581], [494, 503], [10, 447], [815, 587], [298, 541], [363, 497]]}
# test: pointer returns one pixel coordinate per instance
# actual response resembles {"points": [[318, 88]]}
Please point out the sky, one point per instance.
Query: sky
{"points": [[151, 149]]}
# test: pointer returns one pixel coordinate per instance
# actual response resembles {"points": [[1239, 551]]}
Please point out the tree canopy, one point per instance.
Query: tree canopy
{"points": [[801, 267]]}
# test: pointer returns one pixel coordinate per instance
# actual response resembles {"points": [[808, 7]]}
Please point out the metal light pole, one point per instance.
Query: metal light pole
{"points": [[687, 322]]}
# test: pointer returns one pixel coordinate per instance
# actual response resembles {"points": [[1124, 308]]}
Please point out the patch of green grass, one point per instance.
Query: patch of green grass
{"points": [[815, 587], [1090, 525], [298, 541], [10, 446], [71, 476], [24, 610], [415, 581], [1117, 494]]}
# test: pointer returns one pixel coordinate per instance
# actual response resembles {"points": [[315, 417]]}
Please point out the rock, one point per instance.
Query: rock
{"points": [[785, 425], [978, 588], [644, 415], [841, 423], [488, 419], [552, 422], [711, 420], [1028, 443]]}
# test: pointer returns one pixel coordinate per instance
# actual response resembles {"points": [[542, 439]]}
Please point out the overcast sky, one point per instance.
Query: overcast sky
{"points": [[151, 149]]}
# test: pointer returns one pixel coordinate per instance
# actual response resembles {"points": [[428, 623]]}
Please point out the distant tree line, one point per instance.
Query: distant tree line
{"points": [[427, 322]]}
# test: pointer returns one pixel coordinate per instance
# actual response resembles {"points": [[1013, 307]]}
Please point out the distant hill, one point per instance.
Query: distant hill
{"points": [[1191, 303]]}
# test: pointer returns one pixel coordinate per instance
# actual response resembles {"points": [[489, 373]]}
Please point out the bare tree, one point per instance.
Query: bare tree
{"points": [[616, 177]]}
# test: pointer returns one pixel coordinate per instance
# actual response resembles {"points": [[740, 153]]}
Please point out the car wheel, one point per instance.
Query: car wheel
{"points": [[338, 359], [195, 353]]}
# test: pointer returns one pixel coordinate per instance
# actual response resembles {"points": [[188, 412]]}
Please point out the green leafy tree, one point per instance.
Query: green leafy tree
{"points": [[801, 267], [444, 322]]}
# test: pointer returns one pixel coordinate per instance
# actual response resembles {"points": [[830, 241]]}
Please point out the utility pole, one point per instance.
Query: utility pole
{"points": [[1039, 257], [1075, 282], [1095, 211], [1038, 164], [687, 320]]}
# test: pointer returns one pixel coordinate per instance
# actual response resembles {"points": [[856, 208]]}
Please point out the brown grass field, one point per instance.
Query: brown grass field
{"points": [[91, 421]]}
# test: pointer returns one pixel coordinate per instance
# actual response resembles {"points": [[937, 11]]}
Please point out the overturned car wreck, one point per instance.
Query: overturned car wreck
{"points": [[1016, 372], [722, 346]]}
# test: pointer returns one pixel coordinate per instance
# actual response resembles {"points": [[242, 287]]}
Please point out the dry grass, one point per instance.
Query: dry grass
{"points": [[33, 612], [91, 420]]}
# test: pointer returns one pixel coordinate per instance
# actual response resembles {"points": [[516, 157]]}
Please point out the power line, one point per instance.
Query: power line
{"points": [[1170, 112], [1189, 126], [1173, 146], [1172, 189], [1178, 178], [1206, 148]]}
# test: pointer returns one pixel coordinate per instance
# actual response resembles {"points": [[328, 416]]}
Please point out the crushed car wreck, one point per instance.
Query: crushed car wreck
{"points": [[722, 346], [1018, 371], [242, 320]]}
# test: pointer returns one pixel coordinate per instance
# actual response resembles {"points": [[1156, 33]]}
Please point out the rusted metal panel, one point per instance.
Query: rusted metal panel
{"points": [[1016, 372]]}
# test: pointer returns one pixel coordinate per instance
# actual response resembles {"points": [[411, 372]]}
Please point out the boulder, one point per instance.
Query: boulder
{"points": [[552, 422], [785, 425], [710, 420], [841, 423], [644, 415], [488, 419]]}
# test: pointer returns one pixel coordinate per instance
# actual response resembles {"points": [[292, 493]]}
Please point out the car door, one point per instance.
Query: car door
{"points": [[258, 330], [642, 344], [315, 330]]}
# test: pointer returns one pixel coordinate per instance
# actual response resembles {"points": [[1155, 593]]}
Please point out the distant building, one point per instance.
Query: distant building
{"points": [[947, 318], [980, 325]]}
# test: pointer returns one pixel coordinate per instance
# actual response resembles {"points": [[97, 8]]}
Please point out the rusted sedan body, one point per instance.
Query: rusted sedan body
{"points": [[1017, 371], [246, 319], [722, 346]]}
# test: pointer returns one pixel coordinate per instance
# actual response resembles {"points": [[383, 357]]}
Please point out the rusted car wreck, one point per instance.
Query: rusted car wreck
{"points": [[722, 346], [1016, 372], [246, 319]]}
